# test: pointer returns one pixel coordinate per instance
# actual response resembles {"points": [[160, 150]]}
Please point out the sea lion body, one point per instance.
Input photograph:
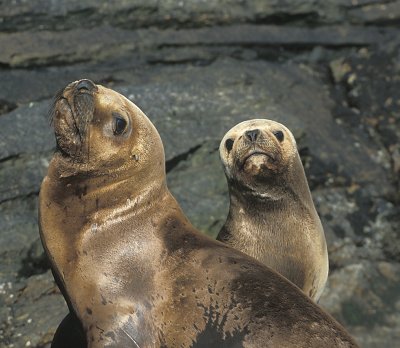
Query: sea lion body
{"points": [[134, 271], [272, 215]]}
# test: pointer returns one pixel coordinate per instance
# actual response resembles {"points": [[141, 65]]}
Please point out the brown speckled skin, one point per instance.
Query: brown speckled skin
{"points": [[134, 271], [272, 215]]}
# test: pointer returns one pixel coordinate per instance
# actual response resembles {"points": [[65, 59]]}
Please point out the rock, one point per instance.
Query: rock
{"points": [[37, 308], [6, 106], [31, 169], [36, 261], [22, 49], [366, 295], [30, 123], [24, 86], [18, 230], [50, 15], [387, 13], [339, 69], [395, 151], [389, 223], [199, 184], [327, 69], [371, 103]]}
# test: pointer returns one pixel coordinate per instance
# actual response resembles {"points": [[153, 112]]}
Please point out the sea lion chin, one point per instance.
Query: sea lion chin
{"points": [[258, 163], [133, 270], [272, 216]]}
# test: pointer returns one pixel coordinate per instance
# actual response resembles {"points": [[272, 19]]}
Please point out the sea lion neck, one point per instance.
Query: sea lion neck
{"points": [[265, 194], [84, 208], [248, 200], [91, 192]]}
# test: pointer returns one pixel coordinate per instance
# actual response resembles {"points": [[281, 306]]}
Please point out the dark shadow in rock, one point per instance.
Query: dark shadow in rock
{"points": [[173, 162], [356, 314], [6, 106], [374, 307], [35, 261], [365, 214], [339, 231], [391, 237], [199, 185], [322, 173]]}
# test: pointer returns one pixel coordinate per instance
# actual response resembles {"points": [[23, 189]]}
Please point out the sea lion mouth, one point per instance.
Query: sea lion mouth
{"points": [[258, 161], [258, 158], [71, 114], [270, 157]]}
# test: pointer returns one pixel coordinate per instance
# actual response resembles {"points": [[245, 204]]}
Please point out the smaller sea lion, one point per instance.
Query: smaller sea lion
{"points": [[272, 215]]}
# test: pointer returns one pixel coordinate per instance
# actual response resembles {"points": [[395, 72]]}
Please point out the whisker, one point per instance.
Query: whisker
{"points": [[88, 150], [51, 112], [130, 337]]}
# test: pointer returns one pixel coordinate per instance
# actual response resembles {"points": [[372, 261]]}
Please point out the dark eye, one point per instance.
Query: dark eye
{"points": [[279, 135], [119, 124], [229, 144]]}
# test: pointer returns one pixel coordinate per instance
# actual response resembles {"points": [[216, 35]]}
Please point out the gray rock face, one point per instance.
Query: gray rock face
{"points": [[132, 14], [327, 69]]}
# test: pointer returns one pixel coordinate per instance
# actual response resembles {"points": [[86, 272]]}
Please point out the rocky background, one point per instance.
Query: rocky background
{"points": [[328, 69]]}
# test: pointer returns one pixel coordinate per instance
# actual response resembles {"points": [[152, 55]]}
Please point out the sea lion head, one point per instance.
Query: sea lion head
{"points": [[257, 155], [99, 131]]}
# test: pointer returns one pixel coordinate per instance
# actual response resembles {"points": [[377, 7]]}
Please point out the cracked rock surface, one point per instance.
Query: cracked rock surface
{"points": [[329, 70]]}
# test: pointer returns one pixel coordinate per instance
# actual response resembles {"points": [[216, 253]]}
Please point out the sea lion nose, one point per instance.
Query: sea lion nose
{"points": [[252, 135], [85, 85]]}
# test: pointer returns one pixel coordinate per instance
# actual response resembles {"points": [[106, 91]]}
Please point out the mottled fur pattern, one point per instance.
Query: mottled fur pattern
{"points": [[133, 269]]}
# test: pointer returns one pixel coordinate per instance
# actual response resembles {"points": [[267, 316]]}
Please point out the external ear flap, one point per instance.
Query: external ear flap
{"points": [[229, 144]]}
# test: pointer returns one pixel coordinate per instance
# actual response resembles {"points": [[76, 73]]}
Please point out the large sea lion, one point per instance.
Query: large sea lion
{"points": [[134, 271], [272, 215]]}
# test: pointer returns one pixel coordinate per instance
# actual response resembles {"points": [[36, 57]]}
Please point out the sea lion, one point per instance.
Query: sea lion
{"points": [[272, 215], [134, 271]]}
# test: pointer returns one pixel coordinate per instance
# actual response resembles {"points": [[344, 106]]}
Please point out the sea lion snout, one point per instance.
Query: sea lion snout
{"points": [[86, 84], [71, 114], [252, 135], [257, 152]]}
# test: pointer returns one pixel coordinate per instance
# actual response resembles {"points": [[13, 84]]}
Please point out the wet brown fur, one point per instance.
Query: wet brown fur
{"points": [[136, 273], [272, 215]]}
